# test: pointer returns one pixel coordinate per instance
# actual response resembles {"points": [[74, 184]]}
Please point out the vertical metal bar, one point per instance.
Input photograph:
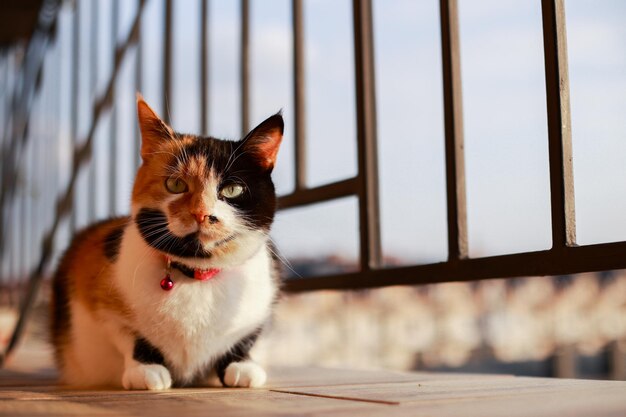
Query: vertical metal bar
{"points": [[10, 133], [204, 53], [52, 152], [39, 168], [298, 94], [8, 254], [93, 85], [6, 117], [4, 71], [14, 201], [369, 216], [19, 237], [245, 67], [24, 212], [559, 124], [453, 120], [6, 209], [113, 177], [74, 85], [167, 61], [25, 191], [138, 79], [35, 168]]}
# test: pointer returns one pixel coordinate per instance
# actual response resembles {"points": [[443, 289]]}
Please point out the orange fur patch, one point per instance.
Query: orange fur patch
{"points": [[89, 271], [84, 275]]}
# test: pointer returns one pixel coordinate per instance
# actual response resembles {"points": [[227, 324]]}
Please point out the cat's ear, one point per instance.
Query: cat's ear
{"points": [[153, 130], [264, 140]]}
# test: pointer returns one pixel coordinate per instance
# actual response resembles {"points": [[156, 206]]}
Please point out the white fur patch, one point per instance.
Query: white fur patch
{"points": [[152, 377], [245, 374]]}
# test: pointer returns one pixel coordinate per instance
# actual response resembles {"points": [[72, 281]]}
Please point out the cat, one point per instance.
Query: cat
{"points": [[177, 293]]}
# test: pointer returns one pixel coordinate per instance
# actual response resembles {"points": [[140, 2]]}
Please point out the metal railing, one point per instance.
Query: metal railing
{"points": [[565, 257]]}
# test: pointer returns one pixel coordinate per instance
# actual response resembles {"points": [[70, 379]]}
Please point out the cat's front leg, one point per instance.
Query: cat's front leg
{"points": [[236, 369], [246, 374], [145, 368], [143, 364], [146, 377]]}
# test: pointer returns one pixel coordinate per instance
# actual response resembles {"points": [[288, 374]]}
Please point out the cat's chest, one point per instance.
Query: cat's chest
{"points": [[229, 301], [196, 321]]}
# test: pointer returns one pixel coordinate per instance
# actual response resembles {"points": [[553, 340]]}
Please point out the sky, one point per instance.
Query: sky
{"points": [[503, 103]]}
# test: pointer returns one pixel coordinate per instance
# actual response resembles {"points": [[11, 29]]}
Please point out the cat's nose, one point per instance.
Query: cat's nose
{"points": [[204, 217]]}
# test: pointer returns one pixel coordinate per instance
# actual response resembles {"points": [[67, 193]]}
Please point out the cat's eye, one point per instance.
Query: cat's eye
{"points": [[232, 191], [176, 185]]}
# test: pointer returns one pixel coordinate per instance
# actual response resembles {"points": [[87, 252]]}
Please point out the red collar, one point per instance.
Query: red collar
{"points": [[195, 273]]}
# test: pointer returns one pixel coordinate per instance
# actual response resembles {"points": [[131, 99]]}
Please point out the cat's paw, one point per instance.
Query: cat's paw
{"points": [[152, 377], [244, 375]]}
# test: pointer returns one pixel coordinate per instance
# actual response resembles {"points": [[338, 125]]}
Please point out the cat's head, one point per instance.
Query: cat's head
{"points": [[202, 200]]}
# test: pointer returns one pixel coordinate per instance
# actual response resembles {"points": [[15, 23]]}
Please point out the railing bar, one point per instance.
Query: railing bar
{"points": [[74, 93], [11, 220], [25, 210], [572, 259], [138, 82], [113, 143], [31, 183], [9, 179], [54, 162], [453, 122], [167, 61], [25, 188], [299, 92], [319, 194], [245, 67], [93, 85], [204, 53], [39, 168], [6, 139], [559, 125], [13, 233], [4, 71], [4, 265], [9, 255], [369, 216], [23, 244]]}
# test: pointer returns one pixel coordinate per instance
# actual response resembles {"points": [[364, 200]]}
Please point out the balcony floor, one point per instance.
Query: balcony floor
{"points": [[28, 388]]}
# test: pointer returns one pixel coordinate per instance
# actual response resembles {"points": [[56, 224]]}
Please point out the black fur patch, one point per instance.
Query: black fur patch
{"points": [[240, 352], [112, 241], [152, 224], [146, 353]]}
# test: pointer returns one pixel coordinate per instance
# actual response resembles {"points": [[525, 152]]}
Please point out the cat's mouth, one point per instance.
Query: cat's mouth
{"points": [[208, 239], [213, 241]]}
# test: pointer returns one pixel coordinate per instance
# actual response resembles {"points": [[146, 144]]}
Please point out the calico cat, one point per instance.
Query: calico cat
{"points": [[177, 293]]}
